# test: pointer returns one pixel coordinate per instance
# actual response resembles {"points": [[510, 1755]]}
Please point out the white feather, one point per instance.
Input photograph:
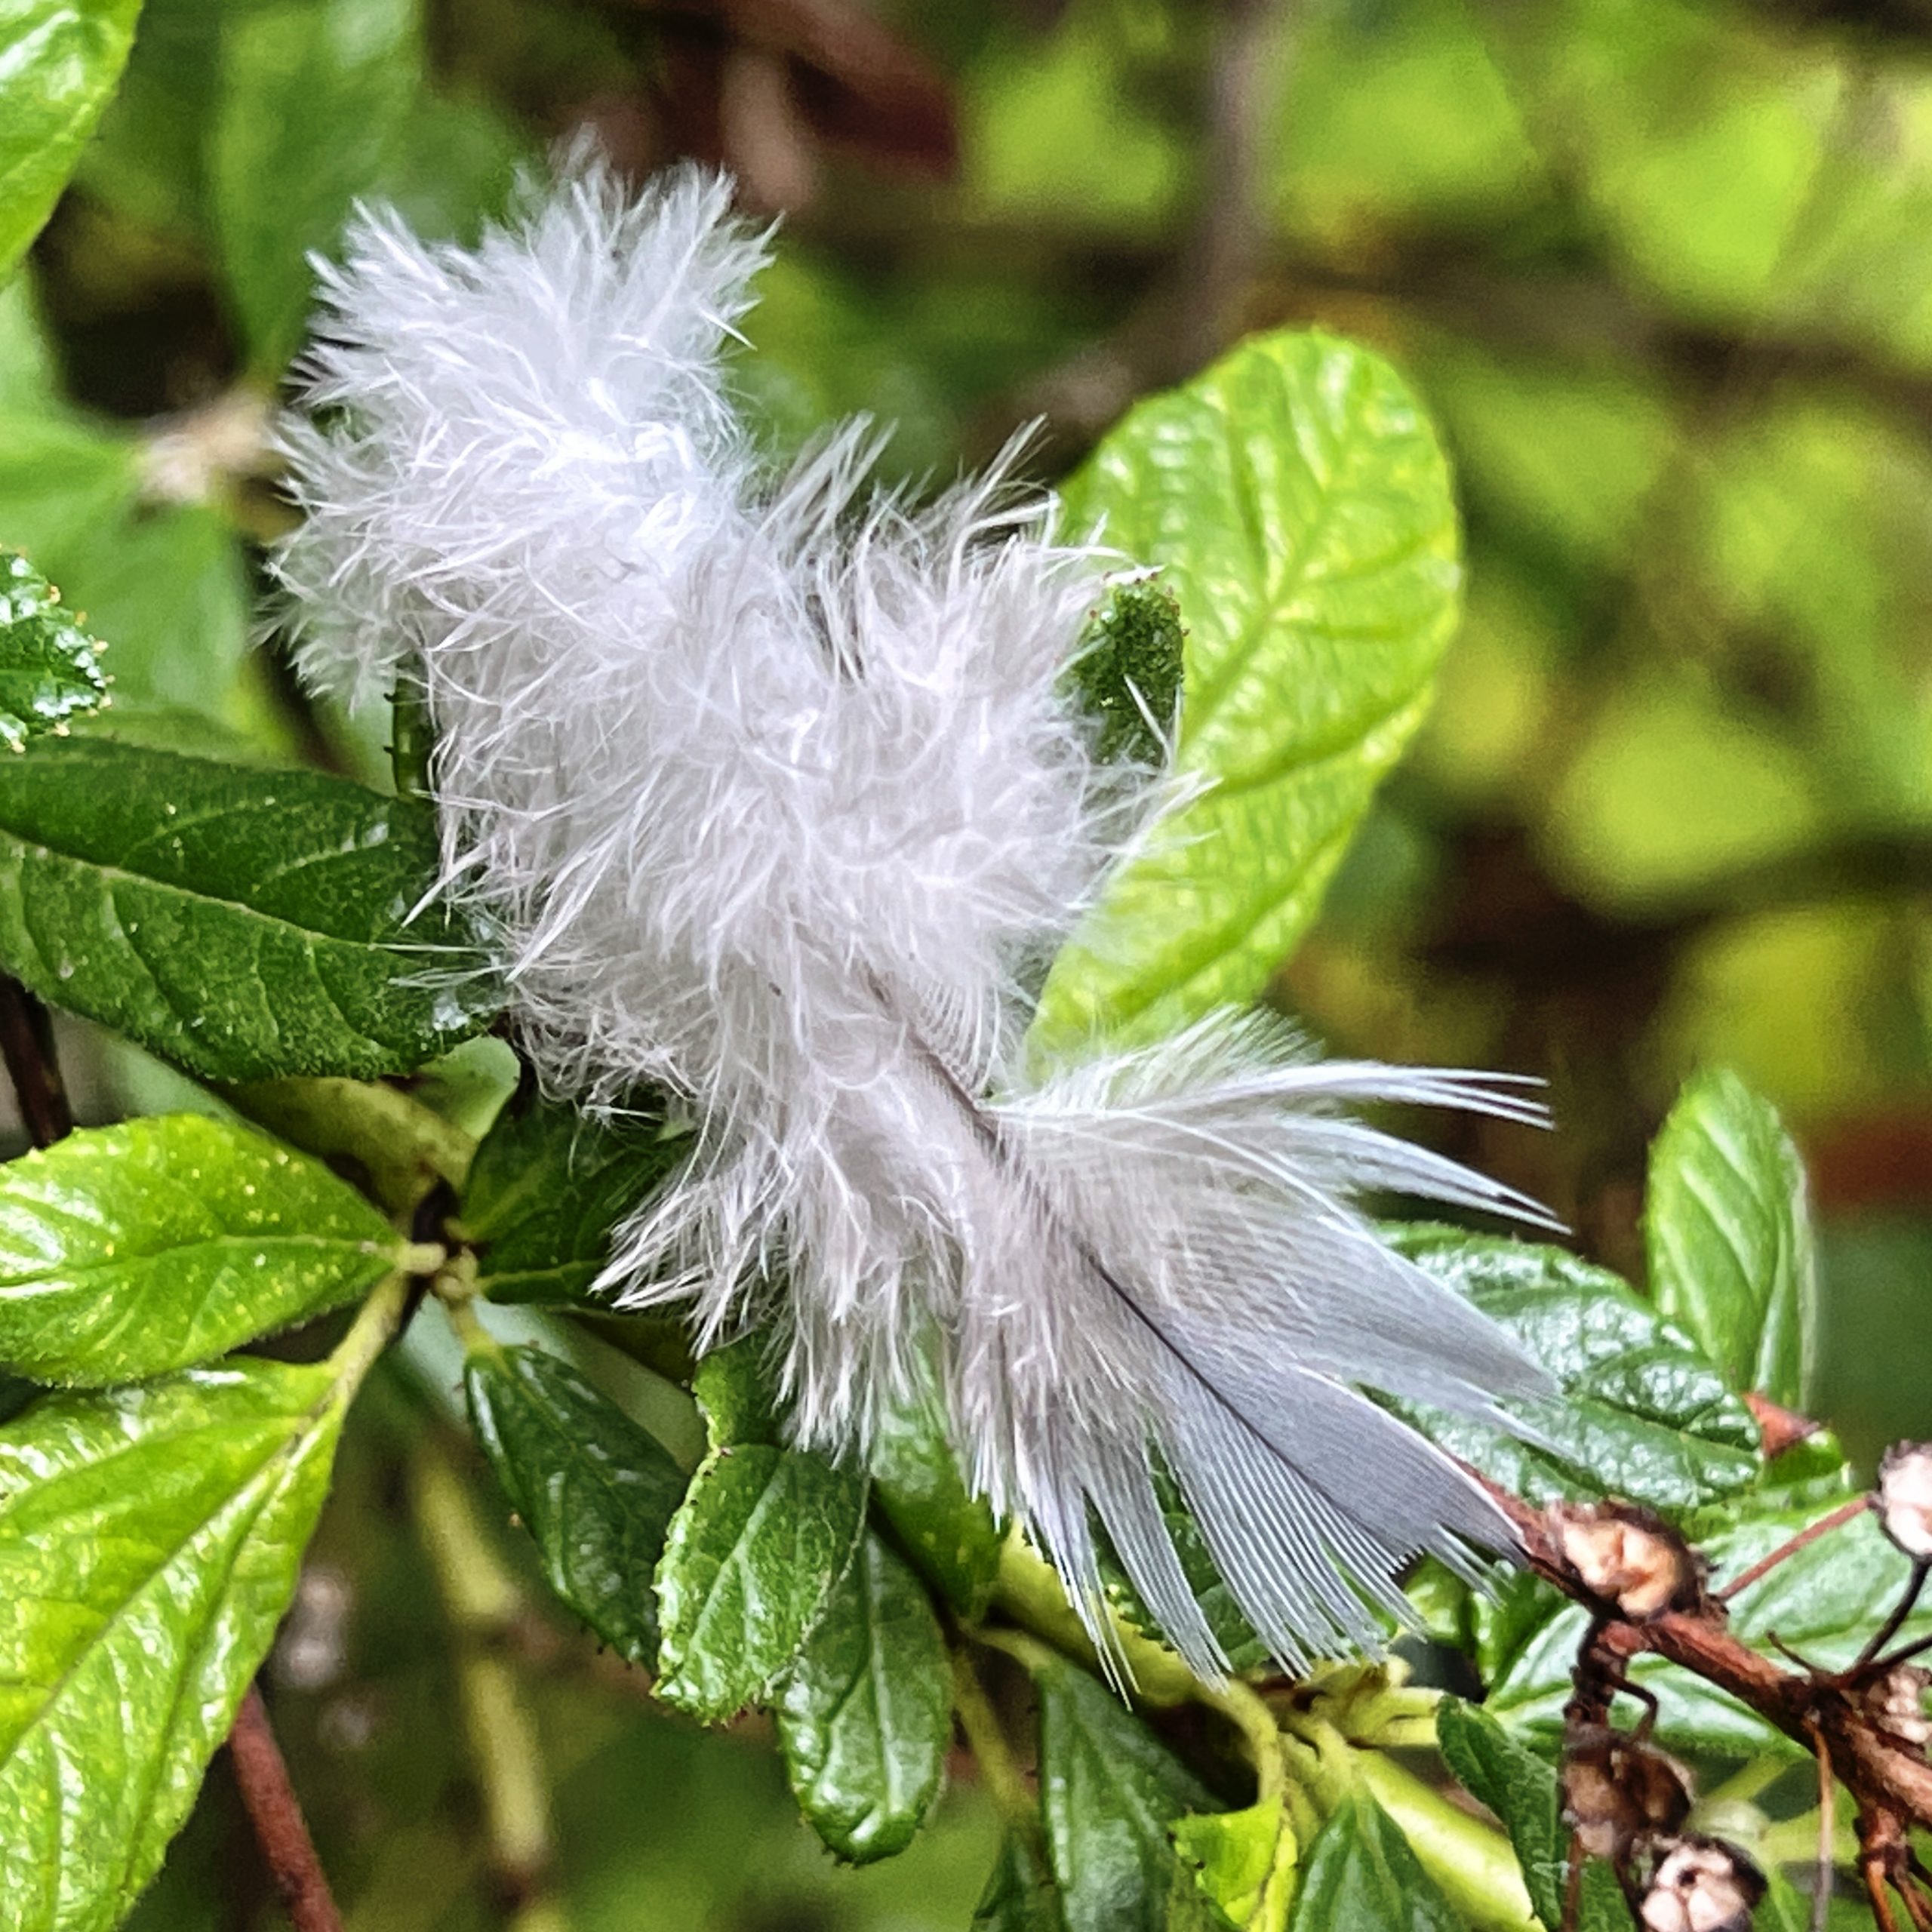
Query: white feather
{"points": [[769, 786]]}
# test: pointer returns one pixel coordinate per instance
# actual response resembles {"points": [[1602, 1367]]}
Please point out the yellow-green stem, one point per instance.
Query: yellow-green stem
{"points": [[999, 1771]]}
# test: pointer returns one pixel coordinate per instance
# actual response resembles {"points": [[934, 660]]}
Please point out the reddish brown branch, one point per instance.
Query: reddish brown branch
{"points": [[27, 1043], [275, 1813]]}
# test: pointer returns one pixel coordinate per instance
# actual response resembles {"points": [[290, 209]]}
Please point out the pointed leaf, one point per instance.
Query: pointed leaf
{"points": [[1020, 1897], [1361, 1873], [241, 923], [50, 668], [1299, 507], [763, 1536], [59, 62], [1243, 1862], [596, 1492], [1111, 1792], [1728, 1233], [949, 1532], [865, 1717], [128, 1251], [149, 1541]]}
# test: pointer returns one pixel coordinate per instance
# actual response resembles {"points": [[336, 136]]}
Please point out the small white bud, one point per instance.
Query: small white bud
{"points": [[1896, 1705], [1904, 1497], [1628, 1558], [1701, 1886]]}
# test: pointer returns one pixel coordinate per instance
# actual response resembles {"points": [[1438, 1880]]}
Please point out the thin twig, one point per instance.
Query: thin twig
{"points": [[1888, 1630], [275, 1813], [26, 1042], [1821, 1892], [1844, 1513]]}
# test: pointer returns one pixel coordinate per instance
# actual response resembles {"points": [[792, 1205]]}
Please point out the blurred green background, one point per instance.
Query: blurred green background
{"points": [[1664, 272]]}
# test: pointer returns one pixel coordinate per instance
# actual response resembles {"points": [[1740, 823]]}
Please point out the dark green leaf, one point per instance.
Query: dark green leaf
{"points": [[241, 923], [1300, 510], [763, 1536], [59, 62], [1111, 1792], [1644, 1415], [1359, 1873], [1728, 1234], [150, 1541], [1824, 1602], [596, 1492], [1019, 1897], [916, 1482], [1520, 1789], [48, 666], [1128, 673], [314, 107], [547, 1188], [866, 1714], [127, 1251], [732, 1386]]}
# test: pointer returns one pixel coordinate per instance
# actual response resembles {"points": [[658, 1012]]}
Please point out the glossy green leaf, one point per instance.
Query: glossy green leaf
{"points": [[1299, 507], [1728, 1233], [1020, 1897], [596, 1493], [866, 1716], [1127, 673], [1644, 1416], [59, 62], [241, 923], [149, 1541], [1110, 1792], [1824, 1602], [50, 668], [1519, 1788], [1242, 1863], [1361, 1873], [127, 1251], [762, 1537], [916, 1483], [314, 107], [547, 1188], [732, 1386]]}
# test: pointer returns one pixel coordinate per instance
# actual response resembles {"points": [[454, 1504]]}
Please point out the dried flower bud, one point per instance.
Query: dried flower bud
{"points": [[1702, 1885], [1895, 1705], [1619, 1794], [1904, 1497], [1630, 1557]]}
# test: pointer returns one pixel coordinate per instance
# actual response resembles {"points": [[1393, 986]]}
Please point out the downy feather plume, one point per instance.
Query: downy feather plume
{"points": [[769, 784]]}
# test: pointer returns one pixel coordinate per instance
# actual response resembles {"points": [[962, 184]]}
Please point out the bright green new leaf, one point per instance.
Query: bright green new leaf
{"points": [[127, 1251], [595, 1491], [1111, 1792], [49, 667], [1243, 1862], [241, 923], [1728, 1233], [314, 106], [866, 1716], [149, 1541], [1824, 1601], [59, 62], [1299, 507], [1520, 1789], [762, 1537], [1361, 1873], [546, 1189]]}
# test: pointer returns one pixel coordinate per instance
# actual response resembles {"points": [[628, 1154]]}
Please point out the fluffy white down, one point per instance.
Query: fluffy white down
{"points": [[767, 782]]}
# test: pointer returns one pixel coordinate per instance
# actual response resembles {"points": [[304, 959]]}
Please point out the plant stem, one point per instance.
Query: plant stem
{"points": [[1260, 1736], [374, 1328], [1473, 1862], [999, 1771], [1810, 1534], [275, 1814]]}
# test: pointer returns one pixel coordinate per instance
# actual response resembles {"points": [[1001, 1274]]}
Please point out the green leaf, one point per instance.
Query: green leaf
{"points": [[949, 1532], [1110, 1792], [1243, 1862], [865, 1717], [1520, 1789], [763, 1536], [1020, 1897], [241, 923], [1824, 1602], [1728, 1234], [1361, 1873], [546, 1189], [59, 62], [1299, 507], [150, 1541], [1126, 672], [733, 1387], [596, 1492], [127, 1251], [1644, 1416], [48, 666], [314, 107]]}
